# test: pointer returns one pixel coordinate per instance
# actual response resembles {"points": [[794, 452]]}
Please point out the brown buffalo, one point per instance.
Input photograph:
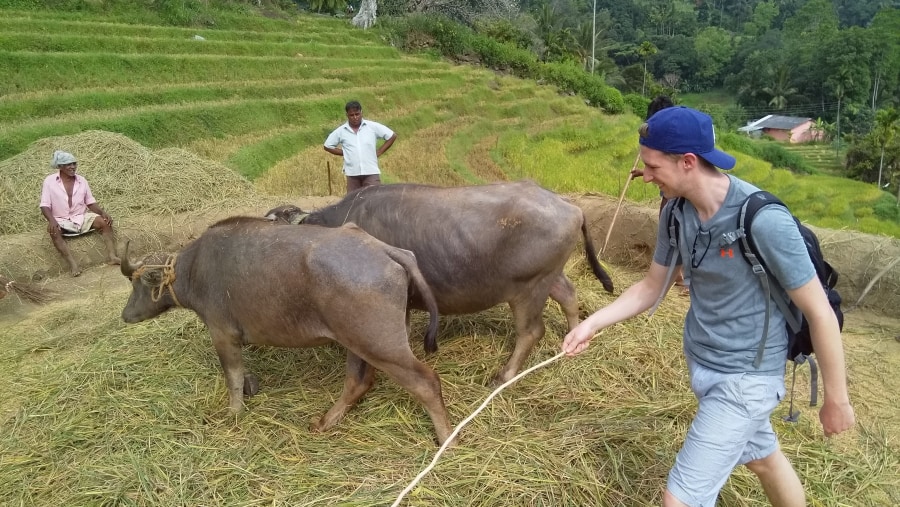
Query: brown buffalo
{"points": [[477, 246], [253, 282]]}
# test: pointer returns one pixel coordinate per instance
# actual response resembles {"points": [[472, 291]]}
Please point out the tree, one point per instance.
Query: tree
{"points": [[714, 51], [646, 50], [885, 31], [839, 82], [819, 130], [365, 18], [845, 60], [780, 90], [764, 15], [887, 122]]}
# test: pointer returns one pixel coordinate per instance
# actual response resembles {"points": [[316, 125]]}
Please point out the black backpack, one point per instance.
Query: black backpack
{"points": [[800, 345]]}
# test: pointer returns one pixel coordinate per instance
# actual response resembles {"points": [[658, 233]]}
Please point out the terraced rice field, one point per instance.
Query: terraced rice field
{"points": [[96, 412], [258, 100]]}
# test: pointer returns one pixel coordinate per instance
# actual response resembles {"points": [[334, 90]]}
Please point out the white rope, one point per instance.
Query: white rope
{"points": [[456, 431]]}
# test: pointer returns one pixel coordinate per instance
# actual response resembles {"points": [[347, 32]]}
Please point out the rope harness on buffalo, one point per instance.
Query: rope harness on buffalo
{"points": [[167, 274], [353, 202], [299, 218]]}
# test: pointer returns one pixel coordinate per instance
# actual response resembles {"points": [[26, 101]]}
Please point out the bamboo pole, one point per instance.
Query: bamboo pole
{"points": [[619, 206]]}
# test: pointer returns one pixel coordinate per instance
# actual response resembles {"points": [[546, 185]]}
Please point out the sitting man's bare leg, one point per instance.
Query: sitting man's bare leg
{"points": [[106, 230], [60, 243]]}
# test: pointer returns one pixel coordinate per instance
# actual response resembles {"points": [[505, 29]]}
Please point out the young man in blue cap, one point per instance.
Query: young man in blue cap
{"points": [[723, 328]]}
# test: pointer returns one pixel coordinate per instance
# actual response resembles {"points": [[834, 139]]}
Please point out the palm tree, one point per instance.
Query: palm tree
{"points": [[645, 51], [780, 90], [841, 82]]}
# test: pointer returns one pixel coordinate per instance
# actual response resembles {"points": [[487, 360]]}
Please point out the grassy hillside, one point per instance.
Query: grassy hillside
{"points": [[97, 412], [259, 95]]}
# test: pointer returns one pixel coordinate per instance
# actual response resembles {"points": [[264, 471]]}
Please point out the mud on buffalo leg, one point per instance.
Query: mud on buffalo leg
{"points": [[360, 377], [228, 347]]}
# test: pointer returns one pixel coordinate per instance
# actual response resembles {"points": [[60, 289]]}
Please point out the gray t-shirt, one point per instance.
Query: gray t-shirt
{"points": [[724, 325]]}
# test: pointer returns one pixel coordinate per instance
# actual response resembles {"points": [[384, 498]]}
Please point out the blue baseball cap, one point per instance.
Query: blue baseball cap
{"points": [[682, 130]]}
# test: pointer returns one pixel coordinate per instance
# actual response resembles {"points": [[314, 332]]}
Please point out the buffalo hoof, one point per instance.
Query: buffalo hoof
{"points": [[251, 384]]}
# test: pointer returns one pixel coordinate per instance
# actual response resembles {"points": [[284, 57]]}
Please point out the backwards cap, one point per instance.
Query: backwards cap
{"points": [[683, 130]]}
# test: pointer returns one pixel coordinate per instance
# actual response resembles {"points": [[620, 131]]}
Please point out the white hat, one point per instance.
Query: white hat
{"points": [[61, 158]]}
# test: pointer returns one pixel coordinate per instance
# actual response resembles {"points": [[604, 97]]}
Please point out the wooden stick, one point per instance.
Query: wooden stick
{"points": [[621, 198], [328, 165], [877, 277]]}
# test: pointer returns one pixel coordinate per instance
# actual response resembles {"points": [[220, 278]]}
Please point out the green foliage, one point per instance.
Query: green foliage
{"points": [[825, 201], [503, 30], [460, 42], [771, 152], [570, 78], [885, 208], [714, 50], [330, 6], [637, 103], [726, 117]]}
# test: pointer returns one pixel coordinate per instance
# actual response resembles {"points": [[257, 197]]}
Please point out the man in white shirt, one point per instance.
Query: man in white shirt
{"points": [[356, 141]]}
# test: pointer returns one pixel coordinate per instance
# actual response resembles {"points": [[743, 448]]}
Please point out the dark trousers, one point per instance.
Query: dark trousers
{"points": [[366, 180]]}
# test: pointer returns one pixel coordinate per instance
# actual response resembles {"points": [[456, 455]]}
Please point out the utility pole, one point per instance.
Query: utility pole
{"points": [[593, 36]]}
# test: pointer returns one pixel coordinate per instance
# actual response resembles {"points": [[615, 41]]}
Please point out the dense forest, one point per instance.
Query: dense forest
{"points": [[834, 61]]}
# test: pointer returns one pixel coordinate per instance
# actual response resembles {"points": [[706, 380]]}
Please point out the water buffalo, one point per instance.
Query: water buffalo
{"points": [[253, 282], [477, 246]]}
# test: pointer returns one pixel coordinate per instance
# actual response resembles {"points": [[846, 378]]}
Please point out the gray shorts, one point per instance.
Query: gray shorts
{"points": [[732, 427]]}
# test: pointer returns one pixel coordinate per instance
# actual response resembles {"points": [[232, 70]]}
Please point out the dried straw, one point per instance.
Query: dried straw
{"points": [[28, 292], [127, 179]]}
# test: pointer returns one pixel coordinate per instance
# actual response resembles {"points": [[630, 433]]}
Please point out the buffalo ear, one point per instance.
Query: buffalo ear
{"points": [[152, 278]]}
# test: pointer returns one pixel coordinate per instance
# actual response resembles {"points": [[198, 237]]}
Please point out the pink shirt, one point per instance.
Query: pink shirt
{"points": [[54, 196]]}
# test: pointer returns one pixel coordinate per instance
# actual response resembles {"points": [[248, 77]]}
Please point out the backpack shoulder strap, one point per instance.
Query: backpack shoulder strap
{"points": [[755, 202], [674, 228]]}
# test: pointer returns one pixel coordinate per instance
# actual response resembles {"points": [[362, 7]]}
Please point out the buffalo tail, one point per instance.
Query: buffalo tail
{"points": [[591, 254], [407, 259]]}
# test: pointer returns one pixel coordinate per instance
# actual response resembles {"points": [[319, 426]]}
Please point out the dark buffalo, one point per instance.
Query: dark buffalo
{"points": [[253, 282], [477, 246]]}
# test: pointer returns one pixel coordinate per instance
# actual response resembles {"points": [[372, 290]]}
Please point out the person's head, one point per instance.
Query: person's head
{"points": [[679, 136], [658, 103], [65, 162], [354, 113]]}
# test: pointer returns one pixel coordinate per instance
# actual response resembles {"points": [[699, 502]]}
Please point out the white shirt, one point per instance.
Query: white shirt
{"points": [[359, 147]]}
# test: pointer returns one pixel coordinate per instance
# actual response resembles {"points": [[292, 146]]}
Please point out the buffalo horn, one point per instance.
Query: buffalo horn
{"points": [[127, 268]]}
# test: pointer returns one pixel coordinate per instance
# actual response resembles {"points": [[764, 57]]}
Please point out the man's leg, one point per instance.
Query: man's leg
{"points": [[731, 427], [779, 480], [60, 243], [370, 180], [106, 231], [353, 183]]}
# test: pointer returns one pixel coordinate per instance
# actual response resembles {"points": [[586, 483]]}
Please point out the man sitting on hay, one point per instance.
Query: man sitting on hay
{"points": [[65, 200]]}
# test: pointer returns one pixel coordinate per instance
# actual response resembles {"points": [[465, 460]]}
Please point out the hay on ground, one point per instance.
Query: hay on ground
{"points": [[127, 179]]}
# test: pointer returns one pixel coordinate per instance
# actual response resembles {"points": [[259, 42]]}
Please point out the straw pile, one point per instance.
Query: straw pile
{"points": [[127, 179], [158, 200], [106, 413]]}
